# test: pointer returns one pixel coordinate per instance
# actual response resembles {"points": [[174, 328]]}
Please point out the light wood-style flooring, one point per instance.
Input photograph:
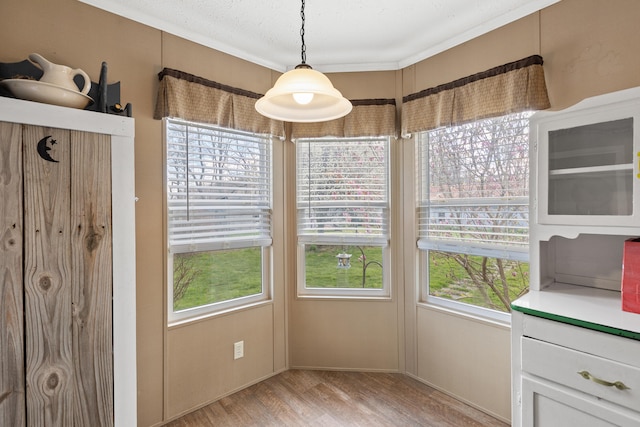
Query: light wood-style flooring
{"points": [[330, 398]]}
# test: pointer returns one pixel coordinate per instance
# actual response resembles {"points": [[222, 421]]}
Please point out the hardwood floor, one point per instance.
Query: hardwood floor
{"points": [[329, 398]]}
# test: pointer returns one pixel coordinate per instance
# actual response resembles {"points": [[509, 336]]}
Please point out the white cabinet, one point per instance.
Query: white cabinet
{"points": [[587, 162], [572, 345], [568, 376]]}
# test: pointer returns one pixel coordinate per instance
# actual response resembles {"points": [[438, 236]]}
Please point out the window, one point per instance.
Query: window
{"points": [[219, 218], [343, 216], [474, 214]]}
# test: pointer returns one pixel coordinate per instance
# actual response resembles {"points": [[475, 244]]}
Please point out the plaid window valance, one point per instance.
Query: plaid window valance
{"points": [[509, 88]]}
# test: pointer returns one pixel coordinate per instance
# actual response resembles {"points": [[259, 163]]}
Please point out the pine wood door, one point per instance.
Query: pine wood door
{"points": [[67, 279]]}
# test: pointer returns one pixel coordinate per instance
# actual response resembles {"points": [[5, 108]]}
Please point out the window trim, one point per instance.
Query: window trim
{"points": [[424, 245], [193, 314], [221, 307], [383, 242]]}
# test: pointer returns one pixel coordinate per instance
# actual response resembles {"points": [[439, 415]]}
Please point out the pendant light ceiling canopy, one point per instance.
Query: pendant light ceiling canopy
{"points": [[303, 94]]}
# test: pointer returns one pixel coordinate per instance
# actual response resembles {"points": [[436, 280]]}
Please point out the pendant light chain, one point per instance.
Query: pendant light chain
{"points": [[303, 94], [304, 47]]}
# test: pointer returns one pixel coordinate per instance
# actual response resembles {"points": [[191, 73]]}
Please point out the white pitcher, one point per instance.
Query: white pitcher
{"points": [[60, 75]]}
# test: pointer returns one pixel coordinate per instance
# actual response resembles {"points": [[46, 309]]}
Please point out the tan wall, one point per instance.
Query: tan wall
{"points": [[200, 364], [477, 368], [344, 335], [589, 47]]}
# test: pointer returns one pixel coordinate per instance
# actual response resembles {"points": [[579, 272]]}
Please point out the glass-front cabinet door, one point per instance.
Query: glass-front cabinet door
{"points": [[588, 166]]}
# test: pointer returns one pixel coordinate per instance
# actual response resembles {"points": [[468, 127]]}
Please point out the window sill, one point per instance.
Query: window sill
{"points": [[469, 312], [333, 297]]}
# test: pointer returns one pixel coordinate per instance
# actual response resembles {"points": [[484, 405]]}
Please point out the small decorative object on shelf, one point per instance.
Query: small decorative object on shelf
{"points": [[56, 84], [60, 75]]}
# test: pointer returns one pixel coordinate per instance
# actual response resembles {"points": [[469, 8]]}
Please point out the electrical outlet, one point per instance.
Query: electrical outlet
{"points": [[238, 350]]}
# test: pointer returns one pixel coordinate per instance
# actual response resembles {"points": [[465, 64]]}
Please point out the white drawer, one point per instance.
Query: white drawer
{"points": [[546, 404], [563, 365]]}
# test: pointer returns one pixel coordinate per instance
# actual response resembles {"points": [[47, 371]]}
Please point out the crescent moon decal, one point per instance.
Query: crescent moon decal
{"points": [[43, 149]]}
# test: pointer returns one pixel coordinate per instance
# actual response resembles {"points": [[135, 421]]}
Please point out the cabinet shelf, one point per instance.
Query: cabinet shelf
{"points": [[591, 170]]}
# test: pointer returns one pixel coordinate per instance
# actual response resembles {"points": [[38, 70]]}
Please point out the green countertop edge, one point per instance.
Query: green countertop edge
{"points": [[576, 322]]}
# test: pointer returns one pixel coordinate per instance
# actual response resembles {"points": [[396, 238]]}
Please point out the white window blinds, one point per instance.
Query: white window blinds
{"points": [[219, 188], [473, 191], [343, 190]]}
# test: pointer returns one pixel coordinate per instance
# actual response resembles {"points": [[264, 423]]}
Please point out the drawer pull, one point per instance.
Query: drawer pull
{"points": [[617, 384]]}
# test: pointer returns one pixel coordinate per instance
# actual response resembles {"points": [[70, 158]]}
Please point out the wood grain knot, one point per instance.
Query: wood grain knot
{"points": [[11, 242], [45, 283], [92, 241], [5, 396], [53, 381]]}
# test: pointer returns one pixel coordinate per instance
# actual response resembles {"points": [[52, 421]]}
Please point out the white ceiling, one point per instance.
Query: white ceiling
{"points": [[340, 35]]}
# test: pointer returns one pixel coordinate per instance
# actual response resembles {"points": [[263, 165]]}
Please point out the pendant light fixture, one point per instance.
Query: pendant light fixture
{"points": [[303, 94]]}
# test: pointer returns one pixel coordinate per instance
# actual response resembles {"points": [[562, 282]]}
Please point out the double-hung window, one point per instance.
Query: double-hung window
{"points": [[473, 212], [219, 203], [343, 217]]}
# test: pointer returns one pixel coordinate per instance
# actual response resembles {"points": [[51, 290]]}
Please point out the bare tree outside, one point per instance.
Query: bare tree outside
{"points": [[184, 273], [475, 203]]}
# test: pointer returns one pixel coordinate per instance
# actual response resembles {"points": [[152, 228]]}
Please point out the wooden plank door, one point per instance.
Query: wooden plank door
{"points": [[12, 379], [67, 278]]}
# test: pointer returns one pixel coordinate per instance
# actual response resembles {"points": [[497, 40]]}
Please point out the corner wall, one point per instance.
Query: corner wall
{"points": [[347, 334], [589, 48]]}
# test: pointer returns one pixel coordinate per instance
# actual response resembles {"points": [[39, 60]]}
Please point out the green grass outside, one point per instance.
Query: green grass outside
{"points": [[221, 276], [322, 267], [225, 275]]}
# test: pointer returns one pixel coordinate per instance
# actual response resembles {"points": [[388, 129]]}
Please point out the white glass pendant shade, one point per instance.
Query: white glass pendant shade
{"points": [[303, 95]]}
